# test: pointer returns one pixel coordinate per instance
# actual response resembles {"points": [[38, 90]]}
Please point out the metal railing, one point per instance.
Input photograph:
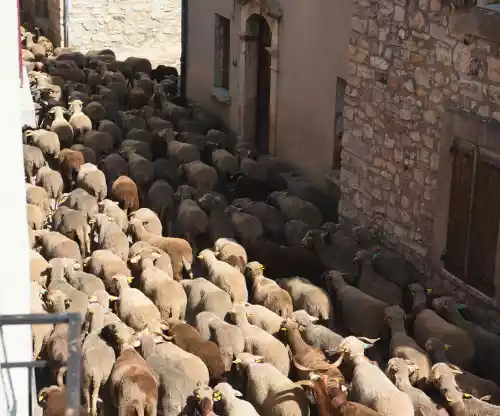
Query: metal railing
{"points": [[74, 322]]}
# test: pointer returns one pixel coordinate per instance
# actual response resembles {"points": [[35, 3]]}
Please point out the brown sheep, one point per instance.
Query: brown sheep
{"points": [[53, 401], [133, 387], [124, 190], [69, 165], [178, 249], [189, 339]]}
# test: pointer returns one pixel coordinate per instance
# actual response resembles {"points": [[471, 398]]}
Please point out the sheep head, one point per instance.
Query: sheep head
{"points": [[303, 318], [204, 396], [245, 359], [443, 378], [57, 301], [400, 367], [445, 304], [353, 347], [394, 314], [254, 269]]}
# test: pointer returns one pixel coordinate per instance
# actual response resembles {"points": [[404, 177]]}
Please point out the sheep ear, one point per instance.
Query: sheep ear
{"points": [[237, 393], [136, 343], [314, 319], [135, 259], [455, 369]]}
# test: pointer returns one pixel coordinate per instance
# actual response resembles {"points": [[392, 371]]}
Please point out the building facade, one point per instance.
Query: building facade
{"points": [[271, 70], [146, 28], [421, 148]]}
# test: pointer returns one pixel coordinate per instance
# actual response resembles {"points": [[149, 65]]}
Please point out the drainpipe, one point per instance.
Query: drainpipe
{"points": [[184, 43], [66, 22]]}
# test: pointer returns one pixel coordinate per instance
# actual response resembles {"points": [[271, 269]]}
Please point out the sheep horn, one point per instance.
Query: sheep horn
{"points": [[370, 340], [60, 376], [302, 383], [454, 369], [339, 360], [300, 367]]}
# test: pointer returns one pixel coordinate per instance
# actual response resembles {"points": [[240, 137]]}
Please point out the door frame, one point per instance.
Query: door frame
{"points": [[247, 113]]}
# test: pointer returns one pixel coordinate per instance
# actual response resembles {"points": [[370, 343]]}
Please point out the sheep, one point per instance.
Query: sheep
{"points": [[228, 337], [178, 151], [220, 226], [369, 384], [124, 190], [33, 160], [373, 284], [189, 339], [78, 121], [69, 165], [52, 182], [73, 224], [94, 182], [264, 318], [61, 126], [266, 292], [111, 209], [56, 245], [105, 264], [309, 297], [133, 387], [53, 401], [81, 200], [35, 216], [95, 112], [175, 385], [364, 320], [46, 141], [167, 294], [224, 276], [141, 170], [84, 282], [460, 403], [318, 336], [100, 142], [271, 217], [258, 341], [485, 343], [178, 249], [269, 391], [199, 175], [191, 218], [57, 343], [161, 201], [39, 268], [161, 260], [231, 252], [40, 333], [134, 308], [467, 382], [294, 208], [248, 228], [110, 236], [112, 129], [36, 195], [98, 359], [399, 371], [149, 219], [113, 167], [427, 324], [232, 405], [202, 296], [403, 346]]}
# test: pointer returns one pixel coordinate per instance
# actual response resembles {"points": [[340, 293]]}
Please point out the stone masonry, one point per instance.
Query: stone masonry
{"points": [[406, 65], [145, 28]]}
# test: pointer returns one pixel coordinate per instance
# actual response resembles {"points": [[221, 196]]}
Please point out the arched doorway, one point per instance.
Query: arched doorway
{"points": [[258, 81]]}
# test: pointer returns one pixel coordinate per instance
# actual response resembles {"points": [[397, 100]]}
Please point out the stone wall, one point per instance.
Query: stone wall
{"points": [[145, 28], [408, 61]]}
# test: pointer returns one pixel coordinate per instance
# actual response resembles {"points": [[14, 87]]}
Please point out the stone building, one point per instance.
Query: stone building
{"points": [[421, 148], [146, 28], [270, 69]]}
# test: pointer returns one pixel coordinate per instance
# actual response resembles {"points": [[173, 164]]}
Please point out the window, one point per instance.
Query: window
{"points": [[42, 8], [473, 216], [221, 53], [339, 123]]}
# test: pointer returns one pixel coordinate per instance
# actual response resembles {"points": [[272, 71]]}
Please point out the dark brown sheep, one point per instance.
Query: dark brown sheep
{"points": [[137, 98], [189, 339], [133, 387], [70, 162], [124, 190]]}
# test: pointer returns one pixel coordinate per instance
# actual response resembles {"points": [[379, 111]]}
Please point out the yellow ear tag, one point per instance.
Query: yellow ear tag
{"points": [[446, 347], [429, 291], [258, 360], [283, 329], [467, 396]]}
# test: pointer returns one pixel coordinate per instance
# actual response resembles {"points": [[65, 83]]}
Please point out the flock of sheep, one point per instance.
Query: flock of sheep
{"points": [[131, 196]]}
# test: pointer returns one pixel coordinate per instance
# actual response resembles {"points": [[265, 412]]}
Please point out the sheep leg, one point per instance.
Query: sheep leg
{"points": [[95, 394], [86, 394]]}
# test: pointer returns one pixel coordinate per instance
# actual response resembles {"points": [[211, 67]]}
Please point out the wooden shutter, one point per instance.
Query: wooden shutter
{"points": [[484, 226], [458, 212]]}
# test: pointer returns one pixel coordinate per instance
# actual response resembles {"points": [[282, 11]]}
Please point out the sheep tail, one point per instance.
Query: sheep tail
{"points": [[187, 267], [60, 375]]}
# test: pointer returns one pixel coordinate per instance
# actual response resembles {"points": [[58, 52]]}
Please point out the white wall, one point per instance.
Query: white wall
{"points": [[14, 280]]}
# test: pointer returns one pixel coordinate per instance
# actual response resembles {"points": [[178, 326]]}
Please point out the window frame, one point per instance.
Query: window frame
{"points": [[222, 52]]}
